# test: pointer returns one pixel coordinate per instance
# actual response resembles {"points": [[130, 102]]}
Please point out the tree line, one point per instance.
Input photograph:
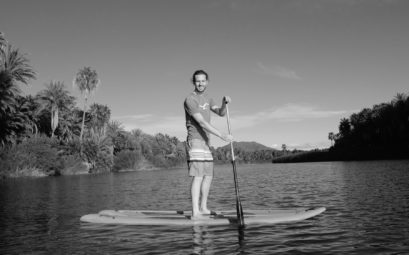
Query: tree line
{"points": [[47, 134], [245, 154], [380, 132]]}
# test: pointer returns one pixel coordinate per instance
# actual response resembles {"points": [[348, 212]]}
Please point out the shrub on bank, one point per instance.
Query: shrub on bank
{"points": [[36, 156], [98, 152], [127, 160], [74, 164], [308, 156], [44, 156]]}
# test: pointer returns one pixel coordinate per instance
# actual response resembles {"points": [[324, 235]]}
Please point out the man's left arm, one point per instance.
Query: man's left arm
{"points": [[221, 111]]}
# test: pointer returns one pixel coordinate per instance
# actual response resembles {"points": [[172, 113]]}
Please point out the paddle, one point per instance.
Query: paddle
{"points": [[239, 208]]}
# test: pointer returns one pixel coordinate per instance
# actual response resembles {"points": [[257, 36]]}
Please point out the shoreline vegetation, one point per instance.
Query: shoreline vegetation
{"points": [[377, 133], [47, 134]]}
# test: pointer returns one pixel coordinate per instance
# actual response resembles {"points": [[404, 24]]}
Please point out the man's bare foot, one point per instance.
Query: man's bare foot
{"points": [[205, 211], [198, 217]]}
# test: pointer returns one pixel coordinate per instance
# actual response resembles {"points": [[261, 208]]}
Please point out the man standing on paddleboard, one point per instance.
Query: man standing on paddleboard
{"points": [[200, 161]]}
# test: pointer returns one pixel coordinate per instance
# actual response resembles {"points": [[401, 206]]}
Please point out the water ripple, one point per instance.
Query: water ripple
{"points": [[367, 211]]}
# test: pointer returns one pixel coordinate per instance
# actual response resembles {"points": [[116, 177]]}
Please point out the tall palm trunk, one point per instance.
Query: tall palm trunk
{"points": [[54, 119], [83, 120], [35, 129]]}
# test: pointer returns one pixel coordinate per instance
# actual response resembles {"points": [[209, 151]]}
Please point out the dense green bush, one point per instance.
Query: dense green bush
{"points": [[98, 152], [38, 154], [74, 164], [127, 160], [160, 161], [72, 147]]}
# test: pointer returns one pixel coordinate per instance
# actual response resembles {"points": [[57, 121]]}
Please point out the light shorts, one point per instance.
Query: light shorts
{"points": [[200, 159], [200, 169]]}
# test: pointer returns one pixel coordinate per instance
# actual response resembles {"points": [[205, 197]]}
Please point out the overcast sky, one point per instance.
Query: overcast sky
{"points": [[293, 68]]}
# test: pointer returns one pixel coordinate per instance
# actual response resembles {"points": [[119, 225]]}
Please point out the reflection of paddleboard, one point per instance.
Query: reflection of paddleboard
{"points": [[128, 217]]}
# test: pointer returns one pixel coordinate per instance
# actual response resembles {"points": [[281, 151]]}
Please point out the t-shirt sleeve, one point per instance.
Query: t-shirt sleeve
{"points": [[191, 106]]}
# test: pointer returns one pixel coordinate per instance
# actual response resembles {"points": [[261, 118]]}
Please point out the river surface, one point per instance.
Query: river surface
{"points": [[367, 211]]}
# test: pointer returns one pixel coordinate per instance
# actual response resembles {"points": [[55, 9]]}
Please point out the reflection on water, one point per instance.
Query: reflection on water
{"points": [[367, 211], [202, 240]]}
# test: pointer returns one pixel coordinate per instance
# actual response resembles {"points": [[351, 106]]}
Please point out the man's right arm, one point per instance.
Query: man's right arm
{"points": [[209, 128]]}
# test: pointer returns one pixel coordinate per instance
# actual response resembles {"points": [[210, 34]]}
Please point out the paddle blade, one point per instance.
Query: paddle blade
{"points": [[239, 208]]}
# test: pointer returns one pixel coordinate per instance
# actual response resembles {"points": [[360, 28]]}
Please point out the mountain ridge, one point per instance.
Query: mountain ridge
{"points": [[248, 146]]}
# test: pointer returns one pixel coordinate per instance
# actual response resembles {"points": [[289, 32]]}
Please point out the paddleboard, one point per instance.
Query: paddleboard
{"points": [[146, 217]]}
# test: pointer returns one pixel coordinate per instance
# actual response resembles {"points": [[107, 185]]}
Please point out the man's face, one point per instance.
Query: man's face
{"points": [[200, 82]]}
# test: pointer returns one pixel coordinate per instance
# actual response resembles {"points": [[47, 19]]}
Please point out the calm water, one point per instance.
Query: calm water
{"points": [[367, 211]]}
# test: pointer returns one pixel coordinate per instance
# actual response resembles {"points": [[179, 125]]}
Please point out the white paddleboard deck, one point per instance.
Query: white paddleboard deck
{"points": [[146, 217]]}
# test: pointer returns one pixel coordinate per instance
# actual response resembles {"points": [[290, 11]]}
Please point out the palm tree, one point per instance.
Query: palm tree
{"points": [[284, 148], [98, 151], [31, 108], [68, 125], [331, 137], [14, 69], [86, 81], [116, 132], [16, 65], [100, 115], [115, 127], [3, 44], [137, 133], [9, 91], [55, 97], [3, 41], [344, 127], [14, 125], [400, 98]]}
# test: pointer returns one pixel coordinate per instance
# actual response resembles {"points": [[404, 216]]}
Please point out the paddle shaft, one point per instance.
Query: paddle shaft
{"points": [[239, 208]]}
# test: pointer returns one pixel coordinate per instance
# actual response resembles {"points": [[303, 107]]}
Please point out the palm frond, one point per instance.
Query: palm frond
{"points": [[9, 91], [17, 65], [3, 44], [86, 80]]}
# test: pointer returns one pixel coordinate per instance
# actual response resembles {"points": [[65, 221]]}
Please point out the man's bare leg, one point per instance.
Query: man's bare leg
{"points": [[195, 193], [207, 181]]}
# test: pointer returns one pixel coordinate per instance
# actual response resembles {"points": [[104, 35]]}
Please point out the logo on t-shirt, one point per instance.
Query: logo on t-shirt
{"points": [[203, 106]]}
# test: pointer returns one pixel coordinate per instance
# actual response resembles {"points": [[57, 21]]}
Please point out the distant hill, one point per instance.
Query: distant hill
{"points": [[248, 146]]}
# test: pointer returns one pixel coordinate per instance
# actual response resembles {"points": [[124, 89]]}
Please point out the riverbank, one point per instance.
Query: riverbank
{"points": [[84, 168], [338, 155], [40, 156], [79, 168]]}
